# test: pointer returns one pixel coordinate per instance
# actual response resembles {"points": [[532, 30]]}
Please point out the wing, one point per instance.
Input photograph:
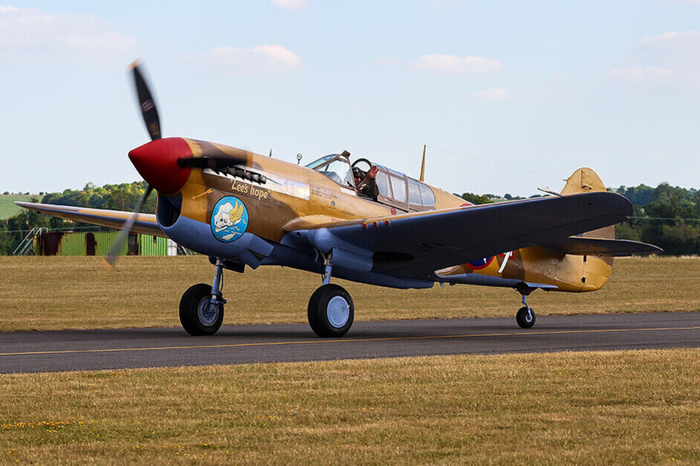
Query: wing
{"points": [[415, 245], [145, 223]]}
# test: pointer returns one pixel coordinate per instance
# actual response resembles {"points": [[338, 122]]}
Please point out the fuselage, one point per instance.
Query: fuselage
{"points": [[250, 211]]}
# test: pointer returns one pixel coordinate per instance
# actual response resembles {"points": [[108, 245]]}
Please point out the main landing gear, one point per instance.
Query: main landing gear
{"points": [[525, 316], [202, 306], [331, 310]]}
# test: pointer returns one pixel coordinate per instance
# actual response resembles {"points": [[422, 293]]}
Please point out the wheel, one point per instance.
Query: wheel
{"points": [[331, 311], [525, 319], [196, 315]]}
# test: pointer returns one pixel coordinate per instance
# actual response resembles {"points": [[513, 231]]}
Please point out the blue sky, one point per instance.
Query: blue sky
{"points": [[509, 96]]}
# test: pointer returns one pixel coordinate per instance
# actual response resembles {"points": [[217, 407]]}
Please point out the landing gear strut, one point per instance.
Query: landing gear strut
{"points": [[331, 310], [202, 306], [525, 316]]}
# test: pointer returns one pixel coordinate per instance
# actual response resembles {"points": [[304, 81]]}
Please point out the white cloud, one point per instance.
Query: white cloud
{"points": [[453, 64], [496, 94], [292, 5], [31, 34], [671, 59], [672, 43], [643, 75], [261, 59]]}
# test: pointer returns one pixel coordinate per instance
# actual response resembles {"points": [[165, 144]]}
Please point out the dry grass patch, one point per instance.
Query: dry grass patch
{"points": [[42, 293], [640, 407]]}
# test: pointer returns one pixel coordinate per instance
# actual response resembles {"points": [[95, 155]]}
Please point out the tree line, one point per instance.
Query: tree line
{"points": [[667, 216]]}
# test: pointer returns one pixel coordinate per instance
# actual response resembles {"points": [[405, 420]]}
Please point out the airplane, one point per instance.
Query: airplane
{"points": [[245, 209]]}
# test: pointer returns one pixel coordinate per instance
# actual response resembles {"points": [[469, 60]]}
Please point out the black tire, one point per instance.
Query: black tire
{"points": [[194, 313], [523, 319], [331, 311]]}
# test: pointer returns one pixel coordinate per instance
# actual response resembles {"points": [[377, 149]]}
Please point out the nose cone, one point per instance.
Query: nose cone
{"points": [[156, 161]]}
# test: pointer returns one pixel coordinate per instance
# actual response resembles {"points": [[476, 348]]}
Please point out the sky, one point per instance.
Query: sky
{"points": [[509, 96]]}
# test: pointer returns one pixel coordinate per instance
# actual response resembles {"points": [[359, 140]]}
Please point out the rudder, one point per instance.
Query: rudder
{"points": [[586, 180]]}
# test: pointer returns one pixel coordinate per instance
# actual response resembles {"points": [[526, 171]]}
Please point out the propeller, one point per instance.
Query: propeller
{"points": [[150, 118], [126, 229], [148, 106]]}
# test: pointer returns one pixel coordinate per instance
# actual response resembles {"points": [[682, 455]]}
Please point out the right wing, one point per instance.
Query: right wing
{"points": [[415, 245], [145, 223]]}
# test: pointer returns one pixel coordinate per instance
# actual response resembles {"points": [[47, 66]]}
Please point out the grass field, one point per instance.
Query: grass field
{"points": [[638, 407], [7, 204], [46, 293]]}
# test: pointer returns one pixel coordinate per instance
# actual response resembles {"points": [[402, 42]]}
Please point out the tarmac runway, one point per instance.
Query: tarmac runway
{"points": [[72, 350]]}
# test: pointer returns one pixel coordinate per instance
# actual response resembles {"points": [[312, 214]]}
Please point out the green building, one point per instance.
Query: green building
{"points": [[67, 243]]}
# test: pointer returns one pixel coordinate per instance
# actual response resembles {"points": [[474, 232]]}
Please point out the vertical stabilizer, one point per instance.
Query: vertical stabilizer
{"points": [[594, 270], [586, 180]]}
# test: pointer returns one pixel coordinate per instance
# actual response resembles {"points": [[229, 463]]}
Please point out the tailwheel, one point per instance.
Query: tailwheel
{"points": [[525, 317], [331, 311], [201, 313]]}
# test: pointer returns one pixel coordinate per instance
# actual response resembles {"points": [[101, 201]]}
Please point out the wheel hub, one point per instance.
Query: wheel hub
{"points": [[338, 311], [207, 312]]}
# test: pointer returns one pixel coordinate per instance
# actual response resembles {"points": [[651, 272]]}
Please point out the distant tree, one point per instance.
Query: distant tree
{"points": [[626, 231], [680, 239], [6, 241], [124, 196], [640, 195], [476, 199]]}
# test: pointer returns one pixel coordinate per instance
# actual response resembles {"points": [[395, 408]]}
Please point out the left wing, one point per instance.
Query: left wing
{"points": [[415, 245], [145, 223]]}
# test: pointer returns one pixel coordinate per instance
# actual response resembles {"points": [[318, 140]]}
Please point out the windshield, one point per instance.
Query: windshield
{"points": [[335, 167]]}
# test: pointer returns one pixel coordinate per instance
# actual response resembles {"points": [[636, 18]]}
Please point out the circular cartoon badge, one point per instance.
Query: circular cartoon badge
{"points": [[229, 219]]}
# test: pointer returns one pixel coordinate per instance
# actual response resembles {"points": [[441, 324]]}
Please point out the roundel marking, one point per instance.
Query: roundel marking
{"points": [[480, 264], [229, 219]]}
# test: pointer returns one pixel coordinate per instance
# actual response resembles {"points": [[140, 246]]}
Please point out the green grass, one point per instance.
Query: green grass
{"points": [[565, 408], [46, 293], [7, 204], [633, 407]]}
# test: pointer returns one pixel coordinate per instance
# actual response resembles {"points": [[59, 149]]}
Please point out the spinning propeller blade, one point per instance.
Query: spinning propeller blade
{"points": [[148, 106], [150, 118], [111, 257]]}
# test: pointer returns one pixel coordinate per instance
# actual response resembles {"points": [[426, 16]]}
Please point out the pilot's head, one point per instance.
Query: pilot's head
{"points": [[358, 174]]}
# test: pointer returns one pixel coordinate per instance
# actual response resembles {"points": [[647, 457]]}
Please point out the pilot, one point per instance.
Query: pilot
{"points": [[366, 183]]}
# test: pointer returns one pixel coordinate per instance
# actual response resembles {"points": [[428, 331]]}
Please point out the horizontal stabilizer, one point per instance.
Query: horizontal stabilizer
{"points": [[608, 247]]}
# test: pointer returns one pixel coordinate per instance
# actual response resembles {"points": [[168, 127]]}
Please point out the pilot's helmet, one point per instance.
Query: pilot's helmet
{"points": [[358, 173]]}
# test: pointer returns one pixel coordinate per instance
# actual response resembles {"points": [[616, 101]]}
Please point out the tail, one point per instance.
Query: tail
{"points": [[601, 242], [595, 270], [592, 252], [586, 180]]}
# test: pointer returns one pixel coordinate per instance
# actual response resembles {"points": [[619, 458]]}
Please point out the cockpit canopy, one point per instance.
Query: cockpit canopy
{"points": [[395, 188], [336, 167]]}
